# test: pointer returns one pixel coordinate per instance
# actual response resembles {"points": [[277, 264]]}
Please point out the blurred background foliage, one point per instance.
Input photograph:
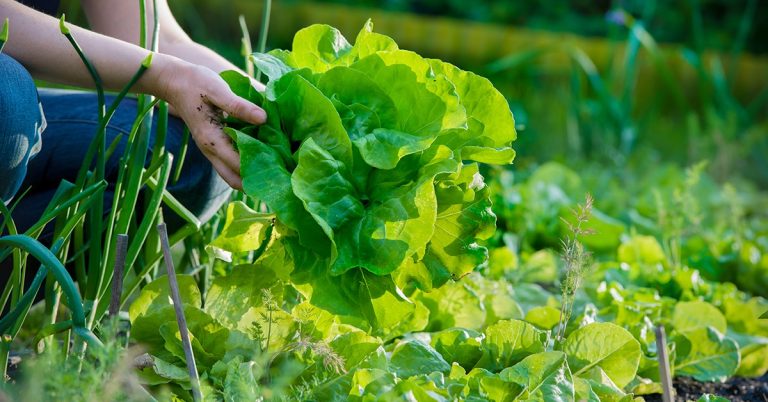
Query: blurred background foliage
{"points": [[614, 81]]}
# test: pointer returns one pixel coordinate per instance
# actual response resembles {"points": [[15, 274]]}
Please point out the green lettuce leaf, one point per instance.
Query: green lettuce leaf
{"points": [[543, 377], [705, 354], [603, 348]]}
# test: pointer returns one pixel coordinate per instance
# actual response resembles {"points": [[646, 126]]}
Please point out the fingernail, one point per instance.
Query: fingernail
{"points": [[261, 115]]}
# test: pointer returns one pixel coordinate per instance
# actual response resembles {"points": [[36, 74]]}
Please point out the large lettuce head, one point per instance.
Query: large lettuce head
{"points": [[369, 164]]}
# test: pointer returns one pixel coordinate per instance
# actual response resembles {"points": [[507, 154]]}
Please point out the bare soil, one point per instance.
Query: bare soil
{"points": [[736, 389]]}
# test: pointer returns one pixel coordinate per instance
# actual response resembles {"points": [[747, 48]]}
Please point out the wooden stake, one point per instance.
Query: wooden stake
{"points": [[117, 278], [668, 392], [180, 319]]}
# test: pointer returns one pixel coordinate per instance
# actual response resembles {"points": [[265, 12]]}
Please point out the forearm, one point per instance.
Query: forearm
{"points": [[36, 42], [197, 54]]}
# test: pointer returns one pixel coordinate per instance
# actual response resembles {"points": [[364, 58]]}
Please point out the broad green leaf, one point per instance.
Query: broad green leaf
{"points": [[485, 385], [464, 217], [388, 232], [641, 249], [705, 354], [266, 178], [754, 354], [509, 341], [603, 346], [240, 383], [424, 107], [157, 295], [357, 347], [543, 377], [599, 389], [211, 341], [744, 316], [383, 148], [491, 122], [322, 184], [689, 316], [544, 317], [318, 47], [494, 156], [306, 113], [369, 42], [271, 66], [458, 345], [237, 300], [370, 382], [501, 261], [162, 372], [412, 357], [357, 91], [242, 87], [421, 388], [453, 305], [359, 297], [244, 229]]}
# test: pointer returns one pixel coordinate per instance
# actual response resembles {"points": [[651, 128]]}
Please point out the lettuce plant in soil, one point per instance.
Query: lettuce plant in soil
{"points": [[368, 164]]}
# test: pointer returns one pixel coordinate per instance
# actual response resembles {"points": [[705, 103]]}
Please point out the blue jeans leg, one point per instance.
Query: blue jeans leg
{"points": [[72, 120], [20, 125]]}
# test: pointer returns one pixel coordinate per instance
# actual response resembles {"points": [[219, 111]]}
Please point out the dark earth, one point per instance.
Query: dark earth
{"points": [[736, 389]]}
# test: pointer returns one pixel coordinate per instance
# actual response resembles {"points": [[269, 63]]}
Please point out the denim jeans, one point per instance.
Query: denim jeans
{"points": [[36, 163]]}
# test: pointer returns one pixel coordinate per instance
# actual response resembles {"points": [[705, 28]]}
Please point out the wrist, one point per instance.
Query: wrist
{"points": [[160, 78]]}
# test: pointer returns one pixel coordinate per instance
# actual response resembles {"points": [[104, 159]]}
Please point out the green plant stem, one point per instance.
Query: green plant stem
{"points": [[263, 31], [4, 34]]}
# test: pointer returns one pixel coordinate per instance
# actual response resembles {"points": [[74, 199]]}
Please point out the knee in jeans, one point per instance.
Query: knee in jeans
{"points": [[18, 94], [19, 124]]}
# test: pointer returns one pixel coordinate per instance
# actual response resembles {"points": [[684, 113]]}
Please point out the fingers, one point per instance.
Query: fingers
{"points": [[232, 178], [217, 147], [237, 107]]}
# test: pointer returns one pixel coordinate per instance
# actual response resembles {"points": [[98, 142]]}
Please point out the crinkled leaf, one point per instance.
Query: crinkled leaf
{"points": [[322, 184], [543, 377], [603, 346], [318, 47], [412, 357], [706, 355], [306, 113], [509, 341], [244, 229], [157, 295], [458, 345], [266, 178], [453, 305], [237, 299], [464, 217]]}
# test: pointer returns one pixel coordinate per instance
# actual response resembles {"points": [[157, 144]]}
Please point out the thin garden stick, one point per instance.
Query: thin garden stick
{"points": [[664, 372], [179, 308], [117, 280]]}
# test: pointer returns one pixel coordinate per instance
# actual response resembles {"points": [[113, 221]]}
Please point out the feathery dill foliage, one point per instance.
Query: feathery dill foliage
{"points": [[685, 217], [575, 261]]}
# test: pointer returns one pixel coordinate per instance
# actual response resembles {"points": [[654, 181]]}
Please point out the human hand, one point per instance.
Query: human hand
{"points": [[201, 98]]}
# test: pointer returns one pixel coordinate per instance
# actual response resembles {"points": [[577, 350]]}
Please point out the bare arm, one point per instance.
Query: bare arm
{"points": [[120, 19], [197, 93]]}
